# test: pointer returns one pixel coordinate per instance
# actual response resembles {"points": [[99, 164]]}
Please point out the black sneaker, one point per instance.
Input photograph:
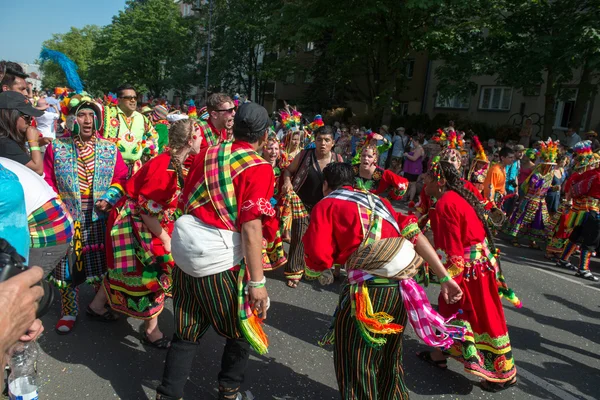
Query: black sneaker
{"points": [[587, 274], [565, 264]]}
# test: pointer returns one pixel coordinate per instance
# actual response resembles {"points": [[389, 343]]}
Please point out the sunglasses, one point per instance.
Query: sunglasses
{"points": [[27, 118], [130, 98], [227, 110]]}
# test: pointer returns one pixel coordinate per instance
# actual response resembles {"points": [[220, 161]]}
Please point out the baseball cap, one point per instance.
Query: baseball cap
{"points": [[250, 118], [16, 101], [519, 147]]}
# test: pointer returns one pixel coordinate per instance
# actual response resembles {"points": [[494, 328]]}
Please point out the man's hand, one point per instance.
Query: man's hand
{"points": [[18, 305], [259, 300], [34, 331], [103, 205], [451, 292], [44, 141]]}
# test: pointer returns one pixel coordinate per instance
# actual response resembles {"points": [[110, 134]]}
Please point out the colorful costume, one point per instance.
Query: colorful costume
{"points": [[479, 167], [364, 233], [460, 240], [134, 136], [82, 173], [139, 268], [381, 181], [585, 190], [365, 141], [227, 186], [211, 136], [530, 217]]}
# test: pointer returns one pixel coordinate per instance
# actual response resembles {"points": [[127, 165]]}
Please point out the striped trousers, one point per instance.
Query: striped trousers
{"points": [[362, 372], [199, 303], [294, 269]]}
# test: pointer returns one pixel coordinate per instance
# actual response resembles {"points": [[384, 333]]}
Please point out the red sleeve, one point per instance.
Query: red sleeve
{"points": [[397, 184], [153, 182], [447, 233], [424, 203], [49, 175], [487, 205], [121, 171], [320, 249], [255, 189]]}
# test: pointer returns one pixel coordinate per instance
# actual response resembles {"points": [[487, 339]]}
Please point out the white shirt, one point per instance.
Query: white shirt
{"points": [[46, 124], [37, 191]]}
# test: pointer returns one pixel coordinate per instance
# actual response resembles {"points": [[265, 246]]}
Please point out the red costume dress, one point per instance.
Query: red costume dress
{"points": [[139, 268], [381, 181], [460, 240]]}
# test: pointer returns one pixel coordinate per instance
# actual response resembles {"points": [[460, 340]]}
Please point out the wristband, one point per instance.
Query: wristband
{"points": [[258, 284], [33, 141], [445, 279], [33, 148]]}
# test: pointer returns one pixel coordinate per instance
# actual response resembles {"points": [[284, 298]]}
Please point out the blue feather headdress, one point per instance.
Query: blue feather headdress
{"points": [[67, 65]]}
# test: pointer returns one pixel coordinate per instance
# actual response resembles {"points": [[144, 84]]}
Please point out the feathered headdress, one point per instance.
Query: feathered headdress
{"points": [[290, 120], [111, 99], [584, 156], [455, 141], [192, 111], [479, 150], [440, 138], [549, 151], [317, 122], [67, 65]]}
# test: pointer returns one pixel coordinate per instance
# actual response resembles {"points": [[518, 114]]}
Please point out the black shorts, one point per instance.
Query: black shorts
{"points": [[411, 177]]}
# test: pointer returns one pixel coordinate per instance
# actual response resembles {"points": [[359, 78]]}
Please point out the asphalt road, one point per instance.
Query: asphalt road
{"points": [[555, 339]]}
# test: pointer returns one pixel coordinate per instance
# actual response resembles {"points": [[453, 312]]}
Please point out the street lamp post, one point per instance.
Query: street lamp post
{"points": [[210, 3]]}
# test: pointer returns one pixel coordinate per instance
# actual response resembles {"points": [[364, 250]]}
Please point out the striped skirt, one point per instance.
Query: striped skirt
{"points": [[294, 269], [363, 372], [93, 253]]}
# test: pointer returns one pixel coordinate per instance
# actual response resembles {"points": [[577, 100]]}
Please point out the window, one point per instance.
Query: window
{"points": [[290, 79], [495, 98], [310, 46], [564, 108], [403, 109], [409, 68], [456, 101]]}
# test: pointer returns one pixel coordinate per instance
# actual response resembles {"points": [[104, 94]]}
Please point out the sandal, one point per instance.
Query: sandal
{"points": [[162, 343], [106, 317], [515, 243], [65, 325], [426, 356], [587, 274], [293, 283], [495, 386]]}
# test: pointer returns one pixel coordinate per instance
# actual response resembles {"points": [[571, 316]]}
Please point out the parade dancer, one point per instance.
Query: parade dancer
{"points": [[131, 131], [139, 227], [369, 176], [377, 246], [217, 246], [529, 218], [479, 167], [304, 177], [466, 248], [87, 172], [585, 191]]}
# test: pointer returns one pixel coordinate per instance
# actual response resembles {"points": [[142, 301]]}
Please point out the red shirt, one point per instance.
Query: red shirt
{"points": [[220, 134], [587, 184], [425, 201], [335, 232], [253, 190]]}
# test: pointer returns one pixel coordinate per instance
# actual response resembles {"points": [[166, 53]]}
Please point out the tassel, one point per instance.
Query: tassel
{"points": [[368, 321], [254, 333], [505, 292]]}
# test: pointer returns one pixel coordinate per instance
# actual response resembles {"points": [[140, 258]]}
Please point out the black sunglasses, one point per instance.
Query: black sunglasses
{"points": [[128, 97], [227, 110], [26, 117]]}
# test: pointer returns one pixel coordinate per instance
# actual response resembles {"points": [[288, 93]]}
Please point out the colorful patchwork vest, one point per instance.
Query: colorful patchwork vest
{"points": [[134, 143], [67, 179]]}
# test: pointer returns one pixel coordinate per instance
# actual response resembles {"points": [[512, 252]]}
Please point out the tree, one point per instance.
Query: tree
{"points": [[361, 47], [149, 45], [78, 45], [524, 43]]}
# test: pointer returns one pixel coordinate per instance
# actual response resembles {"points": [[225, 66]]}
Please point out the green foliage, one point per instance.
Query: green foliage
{"points": [[77, 44], [149, 45]]}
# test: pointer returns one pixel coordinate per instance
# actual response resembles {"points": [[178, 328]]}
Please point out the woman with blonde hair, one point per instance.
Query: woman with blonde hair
{"points": [[139, 250]]}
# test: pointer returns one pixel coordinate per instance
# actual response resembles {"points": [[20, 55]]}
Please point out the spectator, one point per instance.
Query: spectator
{"points": [[399, 143], [53, 102], [46, 124], [572, 138], [512, 177], [413, 165], [384, 131], [592, 136], [494, 187], [558, 178], [14, 78], [15, 130]]}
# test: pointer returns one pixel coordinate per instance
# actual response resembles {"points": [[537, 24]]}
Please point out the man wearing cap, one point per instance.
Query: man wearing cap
{"points": [[12, 144], [221, 111], [512, 177], [217, 246], [131, 131]]}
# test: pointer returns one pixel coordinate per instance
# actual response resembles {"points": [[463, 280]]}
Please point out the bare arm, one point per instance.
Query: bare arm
{"points": [[252, 245], [37, 162], [418, 153], [290, 171]]}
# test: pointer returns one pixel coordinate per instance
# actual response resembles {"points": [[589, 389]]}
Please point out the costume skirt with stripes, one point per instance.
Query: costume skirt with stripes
{"points": [[363, 372], [93, 253], [294, 269]]}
